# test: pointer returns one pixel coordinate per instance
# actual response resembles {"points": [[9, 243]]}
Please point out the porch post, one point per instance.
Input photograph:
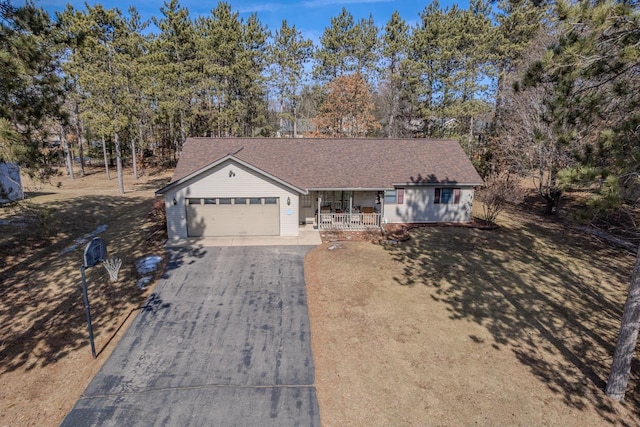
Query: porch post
{"points": [[350, 209], [318, 218], [381, 213]]}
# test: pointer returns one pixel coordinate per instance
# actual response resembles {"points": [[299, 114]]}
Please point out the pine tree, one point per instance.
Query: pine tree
{"points": [[289, 53], [105, 77], [250, 70], [518, 22], [395, 44], [31, 86], [365, 49], [333, 57], [173, 59], [448, 67], [233, 57], [347, 47], [134, 60]]}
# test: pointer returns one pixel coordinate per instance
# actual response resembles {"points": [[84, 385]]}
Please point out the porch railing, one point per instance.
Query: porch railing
{"points": [[348, 221]]}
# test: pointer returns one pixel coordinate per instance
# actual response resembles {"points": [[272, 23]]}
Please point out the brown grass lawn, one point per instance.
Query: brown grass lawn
{"points": [[460, 327], [456, 327], [45, 359]]}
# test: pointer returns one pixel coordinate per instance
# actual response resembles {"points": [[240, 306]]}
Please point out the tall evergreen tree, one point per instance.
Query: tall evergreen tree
{"points": [[107, 77], [289, 53], [176, 73], [518, 22], [365, 49], [590, 77], [250, 71], [134, 47], [72, 31], [347, 47], [395, 44], [594, 73], [31, 87], [332, 57], [448, 66], [233, 57]]}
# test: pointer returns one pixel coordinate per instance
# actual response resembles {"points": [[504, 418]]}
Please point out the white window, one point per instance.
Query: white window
{"points": [[447, 196]]}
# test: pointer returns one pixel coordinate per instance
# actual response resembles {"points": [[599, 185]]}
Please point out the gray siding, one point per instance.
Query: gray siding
{"points": [[418, 207], [230, 180]]}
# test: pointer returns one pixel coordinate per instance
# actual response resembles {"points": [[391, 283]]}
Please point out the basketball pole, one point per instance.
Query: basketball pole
{"points": [[88, 311]]}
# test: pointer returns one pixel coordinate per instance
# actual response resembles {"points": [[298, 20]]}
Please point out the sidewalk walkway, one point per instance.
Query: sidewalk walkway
{"points": [[307, 237]]}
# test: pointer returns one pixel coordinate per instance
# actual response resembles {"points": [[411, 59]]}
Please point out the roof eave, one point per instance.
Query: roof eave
{"points": [[346, 188], [438, 183]]}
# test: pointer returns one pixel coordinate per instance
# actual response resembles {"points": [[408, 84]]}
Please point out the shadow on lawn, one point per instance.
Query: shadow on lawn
{"points": [[555, 300], [42, 317]]}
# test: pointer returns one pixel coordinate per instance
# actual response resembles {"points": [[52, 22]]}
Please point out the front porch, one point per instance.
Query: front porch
{"points": [[354, 220], [347, 210]]}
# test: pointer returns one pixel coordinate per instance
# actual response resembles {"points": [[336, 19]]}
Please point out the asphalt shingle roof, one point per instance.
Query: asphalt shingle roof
{"points": [[310, 163]]}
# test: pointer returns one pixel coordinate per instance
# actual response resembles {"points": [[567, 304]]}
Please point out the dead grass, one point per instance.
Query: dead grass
{"points": [[459, 326], [45, 360]]}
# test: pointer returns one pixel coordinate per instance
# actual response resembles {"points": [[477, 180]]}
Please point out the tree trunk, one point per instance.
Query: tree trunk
{"points": [[79, 133], [497, 117], [470, 130], [142, 146], [281, 123], [295, 119], [106, 159], [393, 110], [548, 206], [183, 133], [116, 142], [626, 345], [553, 199], [558, 204], [134, 161], [67, 154]]}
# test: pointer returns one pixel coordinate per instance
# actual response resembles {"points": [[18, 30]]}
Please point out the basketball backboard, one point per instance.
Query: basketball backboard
{"points": [[95, 252]]}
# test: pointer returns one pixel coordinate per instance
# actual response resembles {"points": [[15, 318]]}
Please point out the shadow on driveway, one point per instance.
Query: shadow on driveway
{"points": [[224, 340]]}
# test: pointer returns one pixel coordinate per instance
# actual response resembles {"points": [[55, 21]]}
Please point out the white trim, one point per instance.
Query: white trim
{"points": [[346, 189], [437, 184]]}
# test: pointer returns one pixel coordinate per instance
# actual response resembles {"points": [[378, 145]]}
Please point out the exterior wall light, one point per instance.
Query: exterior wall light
{"points": [[288, 201], [175, 202], [231, 174]]}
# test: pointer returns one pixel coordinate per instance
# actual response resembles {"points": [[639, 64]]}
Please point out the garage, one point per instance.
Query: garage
{"points": [[233, 216], [230, 198]]}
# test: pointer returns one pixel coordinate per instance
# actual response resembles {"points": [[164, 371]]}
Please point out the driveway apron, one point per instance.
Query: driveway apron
{"points": [[224, 340]]}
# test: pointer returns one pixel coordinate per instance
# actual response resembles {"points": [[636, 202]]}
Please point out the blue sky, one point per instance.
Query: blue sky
{"points": [[309, 16]]}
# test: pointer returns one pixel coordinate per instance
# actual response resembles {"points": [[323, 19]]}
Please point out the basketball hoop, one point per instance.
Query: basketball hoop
{"points": [[112, 265], [95, 252]]}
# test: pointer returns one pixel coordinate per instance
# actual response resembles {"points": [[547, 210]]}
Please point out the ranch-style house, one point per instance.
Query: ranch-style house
{"points": [[270, 186]]}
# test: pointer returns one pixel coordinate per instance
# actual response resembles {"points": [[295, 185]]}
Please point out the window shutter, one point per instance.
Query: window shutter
{"points": [[400, 196], [456, 196], [436, 199]]}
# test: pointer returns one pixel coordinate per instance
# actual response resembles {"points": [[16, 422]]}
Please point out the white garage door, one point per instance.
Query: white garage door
{"points": [[233, 216]]}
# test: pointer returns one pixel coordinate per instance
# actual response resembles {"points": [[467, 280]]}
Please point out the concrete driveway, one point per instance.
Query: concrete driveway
{"points": [[223, 341]]}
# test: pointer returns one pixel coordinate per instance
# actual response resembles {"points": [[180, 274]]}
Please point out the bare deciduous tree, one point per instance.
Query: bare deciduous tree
{"points": [[348, 108], [498, 192], [531, 146]]}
